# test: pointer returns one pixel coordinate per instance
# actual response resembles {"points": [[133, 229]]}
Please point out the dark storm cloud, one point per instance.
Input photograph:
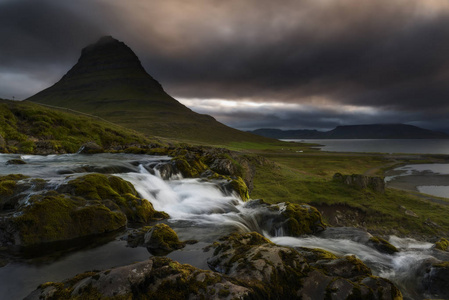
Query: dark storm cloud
{"points": [[40, 40], [389, 56]]}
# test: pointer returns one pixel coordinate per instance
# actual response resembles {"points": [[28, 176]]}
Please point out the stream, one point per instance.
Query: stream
{"points": [[199, 210]]}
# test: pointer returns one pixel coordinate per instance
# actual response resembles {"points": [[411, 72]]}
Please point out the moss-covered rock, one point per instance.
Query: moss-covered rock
{"points": [[53, 217], [158, 278], [8, 188], [302, 219], [16, 162], [442, 244], [382, 245], [116, 193], [88, 205], [159, 239]]}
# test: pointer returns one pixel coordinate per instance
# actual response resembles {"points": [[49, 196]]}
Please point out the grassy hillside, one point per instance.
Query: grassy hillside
{"points": [[27, 127], [109, 81]]}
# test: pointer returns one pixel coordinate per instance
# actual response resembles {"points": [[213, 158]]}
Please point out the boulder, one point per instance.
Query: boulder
{"points": [[90, 148], [286, 218], [358, 181], [157, 278], [442, 245], [159, 239], [15, 162], [435, 279]]}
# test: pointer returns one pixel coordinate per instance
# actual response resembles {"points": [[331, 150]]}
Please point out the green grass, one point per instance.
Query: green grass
{"points": [[25, 126]]}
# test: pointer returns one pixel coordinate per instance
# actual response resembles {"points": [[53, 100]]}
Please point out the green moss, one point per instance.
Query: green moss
{"points": [[442, 244], [302, 219], [189, 168], [107, 187], [239, 186], [54, 217], [164, 238], [8, 183]]}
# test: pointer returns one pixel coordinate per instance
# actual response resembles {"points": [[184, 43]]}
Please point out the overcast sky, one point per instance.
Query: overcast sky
{"points": [[251, 63]]}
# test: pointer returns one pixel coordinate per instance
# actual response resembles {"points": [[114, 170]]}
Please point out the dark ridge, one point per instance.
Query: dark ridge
{"points": [[372, 131]]}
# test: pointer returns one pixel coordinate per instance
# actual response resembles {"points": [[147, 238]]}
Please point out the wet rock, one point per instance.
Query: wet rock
{"points": [[88, 205], [382, 245], [90, 148], [435, 280], [159, 239], [15, 162], [360, 236], [156, 278], [442, 245], [286, 273], [256, 260], [2, 143], [359, 181]]}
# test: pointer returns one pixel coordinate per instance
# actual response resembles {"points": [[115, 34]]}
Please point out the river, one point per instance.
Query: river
{"points": [[199, 210]]}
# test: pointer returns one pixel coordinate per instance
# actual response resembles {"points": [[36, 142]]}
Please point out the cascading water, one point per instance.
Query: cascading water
{"points": [[199, 209]]}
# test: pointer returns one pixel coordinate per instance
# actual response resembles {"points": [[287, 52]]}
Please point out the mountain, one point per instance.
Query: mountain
{"points": [[372, 131], [288, 134], [110, 82]]}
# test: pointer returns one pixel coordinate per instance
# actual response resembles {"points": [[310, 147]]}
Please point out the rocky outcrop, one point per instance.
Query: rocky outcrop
{"points": [[88, 205], [358, 181], [285, 273], [286, 218], [157, 278]]}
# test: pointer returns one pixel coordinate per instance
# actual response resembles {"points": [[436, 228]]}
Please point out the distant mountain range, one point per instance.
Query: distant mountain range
{"points": [[109, 81], [373, 131]]}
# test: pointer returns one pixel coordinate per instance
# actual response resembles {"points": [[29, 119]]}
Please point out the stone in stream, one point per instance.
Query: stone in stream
{"points": [[159, 239]]}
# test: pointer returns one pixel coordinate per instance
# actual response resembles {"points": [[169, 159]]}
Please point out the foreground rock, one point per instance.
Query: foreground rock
{"points": [[248, 266], [88, 205], [285, 273], [157, 278]]}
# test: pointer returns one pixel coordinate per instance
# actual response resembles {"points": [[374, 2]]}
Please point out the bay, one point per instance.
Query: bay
{"points": [[409, 146]]}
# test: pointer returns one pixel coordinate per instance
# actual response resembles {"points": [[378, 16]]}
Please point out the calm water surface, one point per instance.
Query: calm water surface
{"points": [[421, 146]]}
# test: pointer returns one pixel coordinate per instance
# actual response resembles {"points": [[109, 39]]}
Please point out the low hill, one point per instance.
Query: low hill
{"points": [[27, 127], [373, 131], [109, 81]]}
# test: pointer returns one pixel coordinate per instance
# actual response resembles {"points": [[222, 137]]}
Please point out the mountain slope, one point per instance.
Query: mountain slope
{"points": [[27, 127], [373, 131], [109, 81]]}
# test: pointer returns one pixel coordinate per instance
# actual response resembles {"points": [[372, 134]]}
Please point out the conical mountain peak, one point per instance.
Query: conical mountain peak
{"points": [[110, 82]]}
